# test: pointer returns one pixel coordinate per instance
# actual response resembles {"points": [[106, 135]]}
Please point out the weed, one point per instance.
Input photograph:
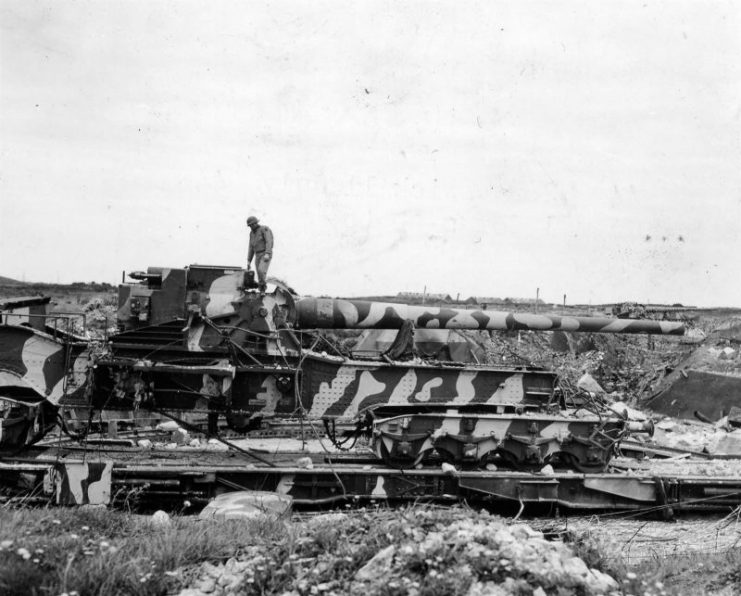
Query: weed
{"points": [[106, 552]]}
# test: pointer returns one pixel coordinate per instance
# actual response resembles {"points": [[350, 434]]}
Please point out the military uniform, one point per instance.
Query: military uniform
{"points": [[261, 247]]}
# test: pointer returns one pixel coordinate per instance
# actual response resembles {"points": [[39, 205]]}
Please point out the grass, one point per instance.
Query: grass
{"points": [[91, 551], [693, 573]]}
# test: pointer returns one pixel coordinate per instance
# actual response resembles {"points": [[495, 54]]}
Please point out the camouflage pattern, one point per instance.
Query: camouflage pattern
{"points": [[221, 294], [201, 339], [333, 388], [81, 483], [36, 366], [528, 439], [37, 372], [325, 313]]}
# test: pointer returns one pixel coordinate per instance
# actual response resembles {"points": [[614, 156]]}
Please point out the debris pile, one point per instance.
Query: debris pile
{"points": [[627, 367], [712, 371], [415, 552]]}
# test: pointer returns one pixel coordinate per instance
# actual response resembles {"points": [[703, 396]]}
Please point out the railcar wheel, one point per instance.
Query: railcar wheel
{"points": [[571, 461], [399, 458], [511, 460]]}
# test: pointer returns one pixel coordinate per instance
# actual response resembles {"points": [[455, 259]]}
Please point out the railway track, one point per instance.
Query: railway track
{"points": [[169, 478]]}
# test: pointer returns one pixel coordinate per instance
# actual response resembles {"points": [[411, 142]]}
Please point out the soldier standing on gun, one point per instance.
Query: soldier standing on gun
{"points": [[261, 247]]}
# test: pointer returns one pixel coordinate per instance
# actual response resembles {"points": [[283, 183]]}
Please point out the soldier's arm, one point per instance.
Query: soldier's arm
{"points": [[250, 254], [269, 241]]}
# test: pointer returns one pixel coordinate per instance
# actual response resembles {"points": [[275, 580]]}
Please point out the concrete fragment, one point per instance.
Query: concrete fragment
{"points": [[575, 567], [207, 586], [145, 444], [722, 423], [180, 436], [378, 566], [305, 463], [247, 505], [216, 445], [160, 519], [547, 470], [727, 354], [168, 426], [524, 532], [587, 383], [600, 583], [449, 469], [327, 520], [729, 444], [734, 417]]}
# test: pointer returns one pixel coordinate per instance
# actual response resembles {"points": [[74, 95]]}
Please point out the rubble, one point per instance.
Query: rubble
{"points": [[452, 551], [587, 383], [711, 371]]}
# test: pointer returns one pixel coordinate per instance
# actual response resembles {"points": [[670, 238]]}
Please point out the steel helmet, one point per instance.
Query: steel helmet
{"points": [[252, 220]]}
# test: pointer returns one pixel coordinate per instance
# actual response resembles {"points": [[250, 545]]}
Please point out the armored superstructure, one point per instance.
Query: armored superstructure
{"points": [[203, 339]]}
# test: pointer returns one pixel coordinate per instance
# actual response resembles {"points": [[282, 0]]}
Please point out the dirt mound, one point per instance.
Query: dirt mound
{"points": [[415, 552]]}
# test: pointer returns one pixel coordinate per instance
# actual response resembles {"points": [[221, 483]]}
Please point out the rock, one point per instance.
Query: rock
{"points": [[216, 445], [727, 354], [180, 436], [524, 532], [305, 462], [488, 589], [145, 444], [588, 383], [168, 426], [211, 570], [730, 444], [667, 425], [160, 519], [575, 567], [327, 520], [734, 417], [207, 586], [722, 423], [600, 583], [378, 566], [547, 470], [560, 342], [247, 505], [449, 469]]}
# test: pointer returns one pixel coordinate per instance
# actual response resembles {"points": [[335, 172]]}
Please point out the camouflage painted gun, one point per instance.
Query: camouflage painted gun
{"points": [[201, 340]]}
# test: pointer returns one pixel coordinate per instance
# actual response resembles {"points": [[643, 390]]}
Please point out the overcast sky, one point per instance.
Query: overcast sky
{"points": [[591, 149]]}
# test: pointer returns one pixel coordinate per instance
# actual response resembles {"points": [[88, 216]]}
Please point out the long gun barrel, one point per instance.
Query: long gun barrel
{"points": [[326, 313]]}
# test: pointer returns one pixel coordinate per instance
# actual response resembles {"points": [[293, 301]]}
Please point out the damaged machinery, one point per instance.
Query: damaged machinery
{"points": [[203, 340]]}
